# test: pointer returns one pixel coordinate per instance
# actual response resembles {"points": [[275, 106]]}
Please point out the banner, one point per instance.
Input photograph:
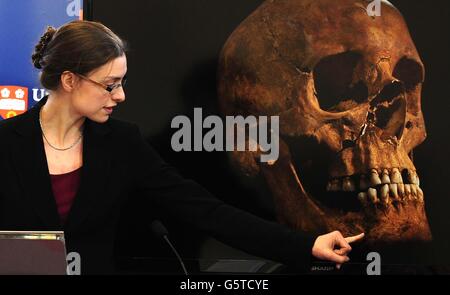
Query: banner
{"points": [[22, 22]]}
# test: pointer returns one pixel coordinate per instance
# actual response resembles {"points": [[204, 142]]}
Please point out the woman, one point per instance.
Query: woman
{"points": [[68, 166]]}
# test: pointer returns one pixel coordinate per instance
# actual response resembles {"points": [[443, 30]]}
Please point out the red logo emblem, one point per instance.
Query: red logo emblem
{"points": [[13, 101]]}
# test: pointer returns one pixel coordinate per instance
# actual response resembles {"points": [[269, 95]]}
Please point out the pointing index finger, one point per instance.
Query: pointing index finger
{"points": [[354, 238]]}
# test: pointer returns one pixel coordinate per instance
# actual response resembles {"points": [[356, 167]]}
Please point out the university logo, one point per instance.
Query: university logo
{"points": [[13, 101], [39, 93]]}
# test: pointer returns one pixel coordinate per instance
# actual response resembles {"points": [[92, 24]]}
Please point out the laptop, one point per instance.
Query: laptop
{"points": [[32, 253]]}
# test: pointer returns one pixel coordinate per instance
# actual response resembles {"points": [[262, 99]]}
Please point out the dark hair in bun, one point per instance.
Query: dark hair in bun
{"points": [[79, 47], [39, 49]]}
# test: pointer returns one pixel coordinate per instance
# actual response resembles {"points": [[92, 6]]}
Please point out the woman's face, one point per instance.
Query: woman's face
{"points": [[93, 101]]}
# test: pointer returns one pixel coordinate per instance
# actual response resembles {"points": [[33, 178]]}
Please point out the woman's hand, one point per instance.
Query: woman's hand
{"points": [[334, 247]]}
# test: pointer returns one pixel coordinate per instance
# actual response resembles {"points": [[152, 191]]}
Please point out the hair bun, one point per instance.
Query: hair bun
{"points": [[39, 49]]}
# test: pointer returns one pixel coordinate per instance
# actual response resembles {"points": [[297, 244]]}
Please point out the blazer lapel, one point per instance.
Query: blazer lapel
{"points": [[31, 167], [94, 174]]}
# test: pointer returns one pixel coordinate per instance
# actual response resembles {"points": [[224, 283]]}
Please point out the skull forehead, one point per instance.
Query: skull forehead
{"points": [[308, 30]]}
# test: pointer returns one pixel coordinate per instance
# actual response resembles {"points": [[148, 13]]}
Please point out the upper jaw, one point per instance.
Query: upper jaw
{"points": [[380, 187]]}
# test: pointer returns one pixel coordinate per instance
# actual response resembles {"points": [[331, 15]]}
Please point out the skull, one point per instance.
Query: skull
{"points": [[347, 89]]}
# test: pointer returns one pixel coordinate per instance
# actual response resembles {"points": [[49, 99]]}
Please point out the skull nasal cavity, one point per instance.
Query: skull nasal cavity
{"points": [[388, 94], [391, 118]]}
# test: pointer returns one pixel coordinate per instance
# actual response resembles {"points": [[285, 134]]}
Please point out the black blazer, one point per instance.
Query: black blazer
{"points": [[117, 163]]}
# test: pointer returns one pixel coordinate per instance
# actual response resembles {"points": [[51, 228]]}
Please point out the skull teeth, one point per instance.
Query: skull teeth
{"points": [[362, 197], [387, 194], [407, 189], [348, 185], [383, 194], [393, 191], [401, 190], [382, 188], [372, 194], [412, 177], [385, 177], [396, 176], [373, 179]]}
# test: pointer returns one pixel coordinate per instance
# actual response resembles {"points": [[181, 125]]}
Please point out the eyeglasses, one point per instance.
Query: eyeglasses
{"points": [[108, 88]]}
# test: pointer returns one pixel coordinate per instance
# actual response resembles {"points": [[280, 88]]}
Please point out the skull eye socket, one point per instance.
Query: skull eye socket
{"points": [[333, 77], [410, 72]]}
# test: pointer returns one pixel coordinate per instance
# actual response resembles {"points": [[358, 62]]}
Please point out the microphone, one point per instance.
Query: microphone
{"points": [[161, 231]]}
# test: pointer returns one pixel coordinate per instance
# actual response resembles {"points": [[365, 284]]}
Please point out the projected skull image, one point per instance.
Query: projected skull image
{"points": [[347, 89]]}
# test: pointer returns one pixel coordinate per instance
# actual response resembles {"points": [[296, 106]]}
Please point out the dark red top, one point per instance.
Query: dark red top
{"points": [[65, 187]]}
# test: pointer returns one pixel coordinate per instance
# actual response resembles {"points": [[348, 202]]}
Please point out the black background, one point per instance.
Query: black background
{"points": [[172, 69]]}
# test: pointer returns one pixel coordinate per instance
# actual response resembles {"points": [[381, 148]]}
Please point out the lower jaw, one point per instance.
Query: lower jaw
{"points": [[399, 221], [393, 213]]}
